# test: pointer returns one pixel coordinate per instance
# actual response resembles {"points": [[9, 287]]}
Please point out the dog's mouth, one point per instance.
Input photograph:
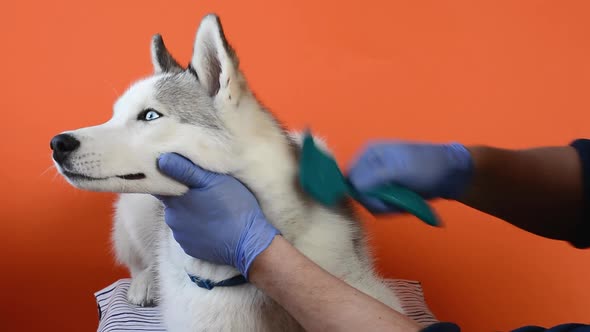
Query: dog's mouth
{"points": [[78, 176], [136, 176]]}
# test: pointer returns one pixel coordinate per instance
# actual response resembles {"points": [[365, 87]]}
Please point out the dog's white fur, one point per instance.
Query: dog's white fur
{"points": [[229, 133]]}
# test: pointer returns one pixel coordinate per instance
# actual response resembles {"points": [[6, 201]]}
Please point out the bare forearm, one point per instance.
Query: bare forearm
{"points": [[539, 190], [315, 298]]}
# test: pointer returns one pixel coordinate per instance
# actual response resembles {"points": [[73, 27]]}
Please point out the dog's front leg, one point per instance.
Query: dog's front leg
{"points": [[143, 290], [138, 225]]}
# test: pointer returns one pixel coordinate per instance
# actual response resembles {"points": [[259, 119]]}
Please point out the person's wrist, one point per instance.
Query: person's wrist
{"points": [[460, 173], [482, 160], [266, 261], [255, 239]]}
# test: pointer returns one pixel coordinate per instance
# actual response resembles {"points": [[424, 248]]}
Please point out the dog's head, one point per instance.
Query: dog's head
{"points": [[175, 110]]}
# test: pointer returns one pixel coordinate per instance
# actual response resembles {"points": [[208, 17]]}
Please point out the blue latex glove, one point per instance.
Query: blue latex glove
{"points": [[431, 170], [218, 219]]}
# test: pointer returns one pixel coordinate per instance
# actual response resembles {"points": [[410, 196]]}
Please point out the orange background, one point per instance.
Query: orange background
{"points": [[506, 73]]}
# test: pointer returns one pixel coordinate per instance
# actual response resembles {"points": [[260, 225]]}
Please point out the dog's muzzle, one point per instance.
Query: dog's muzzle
{"points": [[63, 145]]}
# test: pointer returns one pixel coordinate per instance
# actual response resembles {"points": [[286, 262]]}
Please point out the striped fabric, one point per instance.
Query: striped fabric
{"points": [[117, 315], [412, 300]]}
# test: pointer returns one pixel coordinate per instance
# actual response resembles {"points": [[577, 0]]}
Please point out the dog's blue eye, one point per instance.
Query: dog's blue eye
{"points": [[148, 115], [151, 115]]}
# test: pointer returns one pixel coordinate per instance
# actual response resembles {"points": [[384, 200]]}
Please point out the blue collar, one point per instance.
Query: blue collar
{"points": [[209, 284]]}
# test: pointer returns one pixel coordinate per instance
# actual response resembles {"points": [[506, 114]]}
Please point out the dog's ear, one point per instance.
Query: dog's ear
{"points": [[162, 60], [214, 61]]}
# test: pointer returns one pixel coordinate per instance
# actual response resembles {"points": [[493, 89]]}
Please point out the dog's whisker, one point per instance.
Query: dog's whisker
{"points": [[47, 170]]}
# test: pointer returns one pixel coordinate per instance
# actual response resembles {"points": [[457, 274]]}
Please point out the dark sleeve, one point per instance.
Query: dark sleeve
{"points": [[582, 235], [442, 327], [569, 327]]}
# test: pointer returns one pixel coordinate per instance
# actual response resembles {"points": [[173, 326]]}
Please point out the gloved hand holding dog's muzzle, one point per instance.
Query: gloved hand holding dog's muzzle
{"points": [[218, 219]]}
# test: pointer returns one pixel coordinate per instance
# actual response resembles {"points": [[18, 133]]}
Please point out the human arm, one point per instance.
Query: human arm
{"points": [[318, 300], [539, 190]]}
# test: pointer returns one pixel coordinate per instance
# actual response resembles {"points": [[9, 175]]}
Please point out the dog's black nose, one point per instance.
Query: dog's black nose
{"points": [[62, 145]]}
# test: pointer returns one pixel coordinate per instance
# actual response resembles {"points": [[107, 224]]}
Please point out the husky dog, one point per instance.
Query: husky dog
{"points": [[207, 113]]}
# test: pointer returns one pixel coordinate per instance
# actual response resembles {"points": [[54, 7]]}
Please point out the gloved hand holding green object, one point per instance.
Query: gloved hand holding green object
{"points": [[376, 188]]}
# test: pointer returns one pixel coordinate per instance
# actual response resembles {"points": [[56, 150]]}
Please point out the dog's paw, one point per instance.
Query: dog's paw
{"points": [[142, 290]]}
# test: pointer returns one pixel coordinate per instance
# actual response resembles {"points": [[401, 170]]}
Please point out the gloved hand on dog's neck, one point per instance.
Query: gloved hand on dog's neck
{"points": [[218, 219]]}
